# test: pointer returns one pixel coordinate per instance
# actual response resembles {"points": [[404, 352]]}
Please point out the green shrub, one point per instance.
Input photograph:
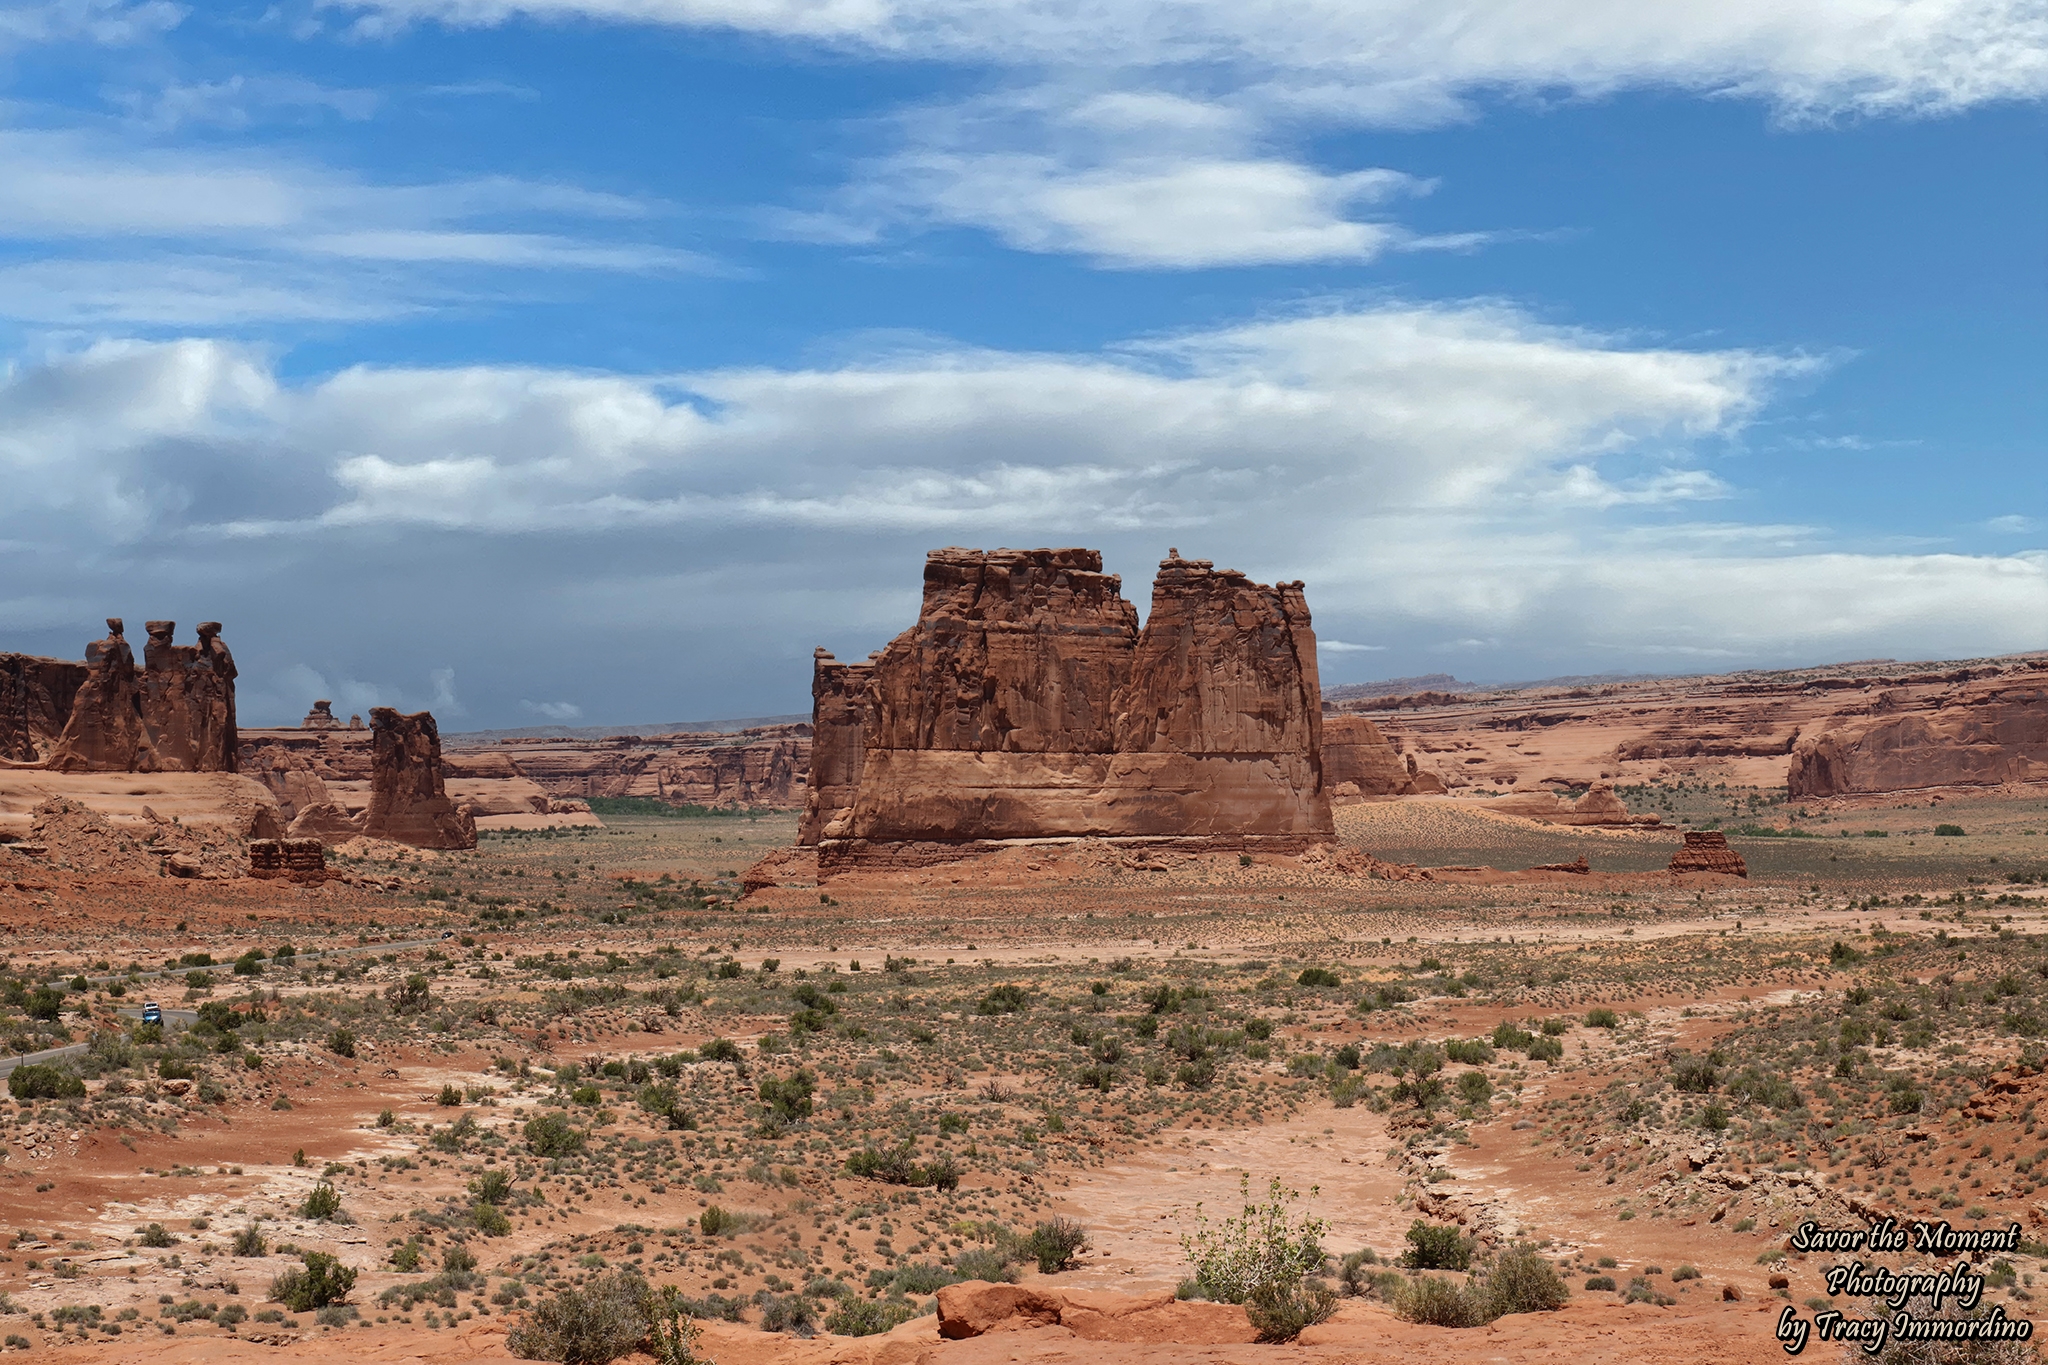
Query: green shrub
{"points": [[1694, 1075], [1510, 1038], [1433, 1246], [1602, 1017], [1317, 976], [1599, 1282], [1280, 1310], [320, 1281], [552, 1135], [590, 1326], [788, 1099], [1004, 999], [1055, 1243], [790, 1313], [1521, 1280], [1441, 1302], [1263, 1246], [868, 1317], [492, 1186], [490, 1220], [1472, 1052], [156, 1235], [1545, 1049], [249, 1242], [342, 1042], [1949, 831], [39, 1081], [450, 1097], [994, 1264], [1474, 1088], [323, 1202]]}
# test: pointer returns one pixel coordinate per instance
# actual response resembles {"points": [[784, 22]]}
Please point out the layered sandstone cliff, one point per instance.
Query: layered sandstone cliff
{"points": [[1985, 733], [174, 714], [1026, 703], [1359, 763]]}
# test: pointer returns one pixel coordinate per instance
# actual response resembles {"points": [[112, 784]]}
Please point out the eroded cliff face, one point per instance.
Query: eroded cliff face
{"points": [[104, 732], [1982, 733], [1025, 703], [35, 702], [839, 694], [1358, 762], [408, 795]]}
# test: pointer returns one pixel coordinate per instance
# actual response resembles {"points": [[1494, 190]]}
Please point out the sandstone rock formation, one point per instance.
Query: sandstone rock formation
{"points": [[1026, 703], [104, 732], [408, 796], [838, 746], [299, 860], [1359, 763], [188, 700], [1982, 734], [1598, 805], [321, 717], [1708, 851], [764, 767], [36, 696]]}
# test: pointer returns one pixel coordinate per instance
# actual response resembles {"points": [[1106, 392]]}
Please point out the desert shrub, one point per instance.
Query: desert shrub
{"points": [[1470, 1051], [414, 995], [868, 1317], [791, 1313], [1545, 1049], [490, 1220], [552, 1135], [1694, 1075], [1599, 1282], [1602, 1017], [342, 1042], [1442, 1302], [788, 1099], [1004, 999], [664, 1102], [321, 1280], [1280, 1310], [1772, 1090], [1521, 1280], [492, 1186], [1510, 1037], [39, 1081], [1474, 1088], [156, 1235], [450, 1097], [1317, 976], [1055, 1243], [721, 1050], [1949, 831], [249, 1242], [994, 1264], [1265, 1245], [590, 1326], [1434, 1246], [323, 1202], [671, 1336], [1685, 1272]]}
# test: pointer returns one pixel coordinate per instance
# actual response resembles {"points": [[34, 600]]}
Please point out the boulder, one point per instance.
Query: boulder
{"points": [[973, 1307]]}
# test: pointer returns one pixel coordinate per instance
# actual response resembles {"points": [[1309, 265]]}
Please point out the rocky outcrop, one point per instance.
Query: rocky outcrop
{"points": [[104, 732], [36, 695], [765, 767], [1708, 851], [1026, 703], [1359, 763], [174, 714], [1981, 734], [298, 860], [1597, 806], [408, 795], [838, 746], [320, 717]]}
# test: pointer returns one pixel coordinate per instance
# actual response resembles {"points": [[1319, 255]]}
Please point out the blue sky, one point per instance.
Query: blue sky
{"points": [[592, 360]]}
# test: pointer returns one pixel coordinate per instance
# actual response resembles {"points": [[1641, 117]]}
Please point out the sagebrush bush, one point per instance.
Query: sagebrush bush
{"points": [[590, 1326], [1055, 1243], [984, 1263], [1263, 1247], [1523, 1281], [1280, 1310], [1442, 1302], [868, 1317], [1433, 1246], [321, 1280]]}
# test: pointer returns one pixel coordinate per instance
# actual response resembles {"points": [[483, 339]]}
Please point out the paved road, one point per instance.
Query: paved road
{"points": [[51, 1054], [188, 1017]]}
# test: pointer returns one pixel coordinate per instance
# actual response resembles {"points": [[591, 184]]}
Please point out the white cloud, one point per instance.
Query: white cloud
{"points": [[182, 237], [1403, 60], [1434, 473], [1340, 647], [554, 710], [2011, 524], [112, 22]]}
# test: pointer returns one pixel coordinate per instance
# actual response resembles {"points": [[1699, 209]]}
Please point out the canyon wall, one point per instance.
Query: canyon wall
{"points": [[36, 695], [1983, 733], [1026, 703]]}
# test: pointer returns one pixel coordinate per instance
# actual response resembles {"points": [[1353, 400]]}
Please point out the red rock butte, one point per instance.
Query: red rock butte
{"points": [[1026, 703]]}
